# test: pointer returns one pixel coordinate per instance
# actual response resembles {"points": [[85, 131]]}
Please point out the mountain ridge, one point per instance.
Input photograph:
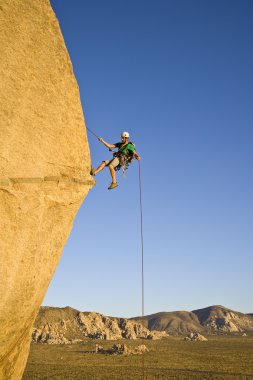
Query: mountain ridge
{"points": [[216, 319], [68, 325]]}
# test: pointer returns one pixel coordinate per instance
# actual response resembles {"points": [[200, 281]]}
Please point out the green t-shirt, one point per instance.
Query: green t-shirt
{"points": [[127, 149]]}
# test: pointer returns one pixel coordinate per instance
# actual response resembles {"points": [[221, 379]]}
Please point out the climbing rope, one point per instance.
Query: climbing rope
{"points": [[94, 134], [142, 257], [142, 266]]}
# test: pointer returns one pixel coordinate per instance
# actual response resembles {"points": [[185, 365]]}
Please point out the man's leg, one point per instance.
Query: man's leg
{"points": [[101, 167], [113, 174]]}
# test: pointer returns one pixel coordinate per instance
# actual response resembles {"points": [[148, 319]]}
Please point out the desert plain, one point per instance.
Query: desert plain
{"points": [[221, 357]]}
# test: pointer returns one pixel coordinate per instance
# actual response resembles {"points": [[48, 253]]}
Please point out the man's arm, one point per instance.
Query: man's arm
{"points": [[110, 146], [136, 155]]}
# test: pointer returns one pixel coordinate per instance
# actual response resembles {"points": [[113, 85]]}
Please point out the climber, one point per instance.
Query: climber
{"points": [[121, 159]]}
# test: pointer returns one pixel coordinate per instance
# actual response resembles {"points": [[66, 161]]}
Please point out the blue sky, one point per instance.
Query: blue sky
{"points": [[178, 76]]}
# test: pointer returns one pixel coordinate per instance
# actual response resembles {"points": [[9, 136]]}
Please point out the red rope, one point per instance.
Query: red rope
{"points": [[94, 134], [142, 266]]}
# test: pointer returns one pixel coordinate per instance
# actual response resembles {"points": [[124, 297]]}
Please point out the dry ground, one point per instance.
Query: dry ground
{"points": [[220, 358]]}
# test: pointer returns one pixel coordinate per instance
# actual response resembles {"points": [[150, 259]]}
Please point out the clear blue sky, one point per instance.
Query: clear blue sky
{"points": [[178, 76]]}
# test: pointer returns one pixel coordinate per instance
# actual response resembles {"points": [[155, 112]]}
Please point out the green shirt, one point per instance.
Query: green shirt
{"points": [[127, 149]]}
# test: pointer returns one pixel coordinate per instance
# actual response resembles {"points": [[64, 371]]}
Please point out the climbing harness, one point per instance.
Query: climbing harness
{"points": [[124, 159]]}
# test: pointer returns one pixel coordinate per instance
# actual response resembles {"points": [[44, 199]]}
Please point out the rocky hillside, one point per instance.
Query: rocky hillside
{"points": [[210, 320], [223, 320], [175, 322], [67, 325]]}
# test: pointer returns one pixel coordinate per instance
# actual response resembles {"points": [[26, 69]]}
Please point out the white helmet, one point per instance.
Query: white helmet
{"points": [[125, 134]]}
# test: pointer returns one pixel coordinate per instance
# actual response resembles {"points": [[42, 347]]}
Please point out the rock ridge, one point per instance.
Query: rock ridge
{"points": [[215, 319], [66, 325]]}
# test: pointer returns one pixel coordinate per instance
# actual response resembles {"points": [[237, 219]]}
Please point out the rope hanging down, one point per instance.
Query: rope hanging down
{"points": [[142, 254], [142, 263]]}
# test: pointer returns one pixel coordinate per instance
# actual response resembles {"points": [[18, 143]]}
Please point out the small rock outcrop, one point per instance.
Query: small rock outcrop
{"points": [[44, 167], [122, 349], [195, 337]]}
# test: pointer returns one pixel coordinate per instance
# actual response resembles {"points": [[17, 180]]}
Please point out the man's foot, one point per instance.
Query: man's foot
{"points": [[112, 186], [92, 172]]}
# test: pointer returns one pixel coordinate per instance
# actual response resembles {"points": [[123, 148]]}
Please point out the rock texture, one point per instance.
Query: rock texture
{"points": [[209, 320], [67, 325], [44, 167]]}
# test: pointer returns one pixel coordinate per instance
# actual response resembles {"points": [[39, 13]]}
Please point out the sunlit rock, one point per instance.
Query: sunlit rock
{"points": [[44, 167]]}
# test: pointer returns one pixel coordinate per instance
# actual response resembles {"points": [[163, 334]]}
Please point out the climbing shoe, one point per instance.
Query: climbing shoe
{"points": [[92, 172], [112, 186]]}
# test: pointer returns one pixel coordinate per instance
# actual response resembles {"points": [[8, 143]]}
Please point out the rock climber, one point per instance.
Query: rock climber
{"points": [[121, 159]]}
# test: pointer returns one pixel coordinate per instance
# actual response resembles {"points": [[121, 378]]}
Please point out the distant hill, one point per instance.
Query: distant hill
{"points": [[174, 322], [66, 325], [221, 319], [210, 320]]}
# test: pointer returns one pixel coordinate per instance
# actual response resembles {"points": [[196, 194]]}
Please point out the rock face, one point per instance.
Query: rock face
{"points": [[66, 325], [44, 167]]}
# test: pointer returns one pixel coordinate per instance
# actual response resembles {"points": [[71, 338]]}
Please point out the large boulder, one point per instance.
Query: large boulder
{"points": [[44, 167], [195, 337]]}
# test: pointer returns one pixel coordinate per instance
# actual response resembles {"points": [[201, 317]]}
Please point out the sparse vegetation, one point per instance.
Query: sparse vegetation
{"points": [[222, 357]]}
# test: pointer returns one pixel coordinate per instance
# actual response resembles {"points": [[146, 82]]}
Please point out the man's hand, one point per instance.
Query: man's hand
{"points": [[110, 146], [137, 156]]}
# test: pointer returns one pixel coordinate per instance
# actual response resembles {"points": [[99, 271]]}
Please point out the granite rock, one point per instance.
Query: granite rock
{"points": [[44, 167]]}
